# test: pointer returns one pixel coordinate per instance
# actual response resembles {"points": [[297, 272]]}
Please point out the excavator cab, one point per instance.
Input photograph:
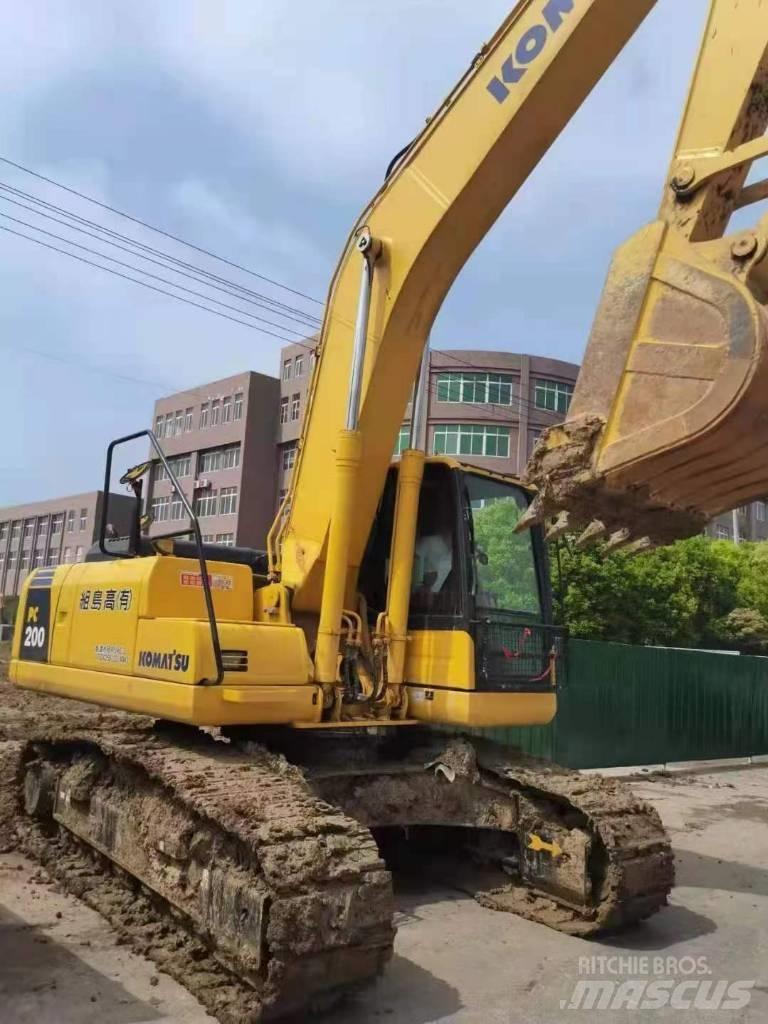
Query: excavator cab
{"points": [[477, 586]]}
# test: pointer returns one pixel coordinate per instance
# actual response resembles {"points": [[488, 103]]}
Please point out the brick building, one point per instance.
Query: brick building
{"points": [[488, 408], [53, 532], [233, 444], [220, 441]]}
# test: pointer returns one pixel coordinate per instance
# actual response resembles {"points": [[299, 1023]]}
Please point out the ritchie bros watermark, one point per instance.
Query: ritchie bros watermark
{"points": [[652, 983]]}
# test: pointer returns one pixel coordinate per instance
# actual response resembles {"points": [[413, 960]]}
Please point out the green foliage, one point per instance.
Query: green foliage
{"points": [[508, 578], [746, 629], [684, 595]]}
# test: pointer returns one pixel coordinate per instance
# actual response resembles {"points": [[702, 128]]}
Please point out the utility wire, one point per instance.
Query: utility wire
{"points": [[159, 231], [81, 364], [145, 284], [156, 277], [256, 297], [158, 263]]}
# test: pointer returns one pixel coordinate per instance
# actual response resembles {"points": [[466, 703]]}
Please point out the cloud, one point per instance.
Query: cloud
{"points": [[259, 129]]}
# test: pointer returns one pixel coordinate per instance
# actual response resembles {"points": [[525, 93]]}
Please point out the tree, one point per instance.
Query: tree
{"points": [[506, 570], [745, 629], [674, 596]]}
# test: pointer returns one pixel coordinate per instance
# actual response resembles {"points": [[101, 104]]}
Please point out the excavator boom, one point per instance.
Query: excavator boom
{"points": [[447, 190], [668, 424]]}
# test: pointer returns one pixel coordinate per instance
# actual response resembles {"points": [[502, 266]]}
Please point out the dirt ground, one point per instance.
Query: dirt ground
{"points": [[61, 963]]}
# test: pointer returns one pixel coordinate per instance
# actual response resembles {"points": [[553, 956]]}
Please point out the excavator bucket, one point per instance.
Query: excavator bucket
{"points": [[668, 426]]}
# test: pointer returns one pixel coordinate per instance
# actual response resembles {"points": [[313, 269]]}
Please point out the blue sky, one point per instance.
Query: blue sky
{"points": [[259, 129]]}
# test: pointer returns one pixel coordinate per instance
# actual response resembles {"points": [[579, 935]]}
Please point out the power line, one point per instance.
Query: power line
{"points": [[80, 364], [159, 263], [156, 277], [309, 319], [159, 231], [145, 284]]}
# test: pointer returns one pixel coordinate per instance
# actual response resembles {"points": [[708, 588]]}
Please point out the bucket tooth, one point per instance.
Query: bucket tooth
{"points": [[560, 526], [618, 539], [593, 532], [637, 547], [532, 516]]}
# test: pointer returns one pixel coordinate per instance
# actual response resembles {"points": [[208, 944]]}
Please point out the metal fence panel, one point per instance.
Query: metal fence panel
{"points": [[624, 705]]}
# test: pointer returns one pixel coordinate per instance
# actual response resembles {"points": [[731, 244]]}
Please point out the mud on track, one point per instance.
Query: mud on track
{"points": [[138, 920]]}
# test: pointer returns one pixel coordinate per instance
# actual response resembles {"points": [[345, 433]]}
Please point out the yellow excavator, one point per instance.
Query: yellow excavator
{"points": [[287, 696]]}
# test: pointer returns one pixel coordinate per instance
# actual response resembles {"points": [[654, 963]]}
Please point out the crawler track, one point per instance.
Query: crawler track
{"points": [[288, 894], [249, 870], [617, 866]]}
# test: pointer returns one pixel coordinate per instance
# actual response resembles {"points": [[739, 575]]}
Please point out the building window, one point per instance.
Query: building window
{"points": [[176, 509], [220, 458], [284, 410], [298, 366], [207, 504], [15, 530], [78, 554], [553, 395], [295, 406], [289, 456], [403, 439], [24, 560], [281, 496], [204, 415], [38, 559], [29, 527], [215, 412], [160, 508], [228, 539], [744, 510], [230, 457], [178, 422], [181, 466], [66, 555], [287, 369], [188, 419], [237, 411], [226, 409], [228, 502], [3, 531], [471, 439], [208, 538], [210, 461], [475, 388], [722, 532], [759, 514], [83, 518], [57, 524], [168, 425], [159, 421], [11, 561], [71, 521]]}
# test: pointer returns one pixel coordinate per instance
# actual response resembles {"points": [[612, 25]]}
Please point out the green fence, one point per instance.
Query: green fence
{"points": [[624, 705]]}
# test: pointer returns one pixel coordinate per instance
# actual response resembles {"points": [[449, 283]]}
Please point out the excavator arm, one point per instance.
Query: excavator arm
{"points": [[440, 200], [669, 420]]}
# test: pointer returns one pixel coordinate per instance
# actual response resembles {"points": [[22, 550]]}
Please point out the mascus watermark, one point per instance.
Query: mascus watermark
{"points": [[653, 983]]}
